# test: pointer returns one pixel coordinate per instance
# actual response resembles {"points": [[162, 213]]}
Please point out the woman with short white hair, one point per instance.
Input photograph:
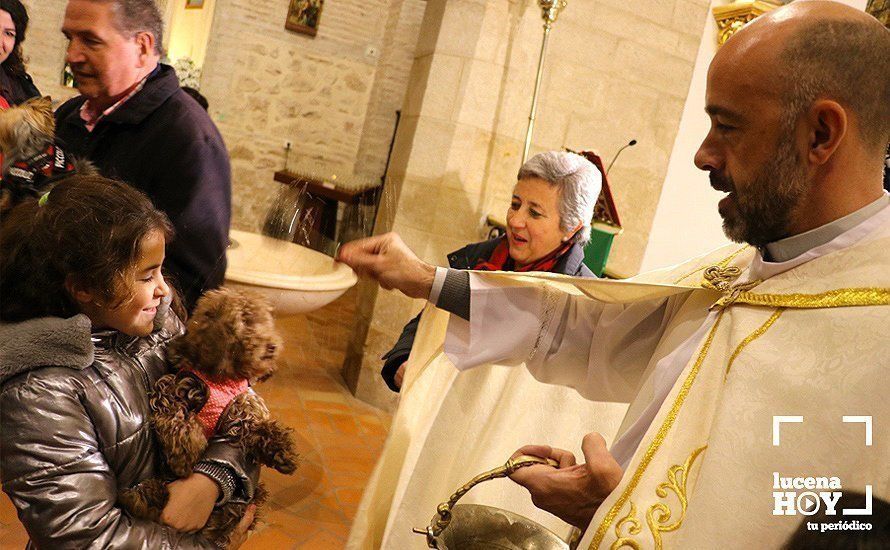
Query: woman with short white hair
{"points": [[548, 225]]}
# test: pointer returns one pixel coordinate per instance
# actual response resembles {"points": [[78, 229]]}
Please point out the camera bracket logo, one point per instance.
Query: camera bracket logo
{"points": [[808, 495]]}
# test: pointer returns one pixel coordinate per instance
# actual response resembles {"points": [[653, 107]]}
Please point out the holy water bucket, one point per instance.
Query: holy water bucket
{"points": [[478, 527]]}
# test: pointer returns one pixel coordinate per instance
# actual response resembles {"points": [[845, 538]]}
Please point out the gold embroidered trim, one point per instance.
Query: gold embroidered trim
{"points": [[659, 514], [659, 436], [848, 297], [722, 263], [751, 337], [720, 278], [634, 529], [842, 297]]}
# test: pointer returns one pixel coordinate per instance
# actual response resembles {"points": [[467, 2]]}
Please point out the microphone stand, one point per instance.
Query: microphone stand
{"points": [[631, 143]]}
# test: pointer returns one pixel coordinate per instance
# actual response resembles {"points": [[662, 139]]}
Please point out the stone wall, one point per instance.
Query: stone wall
{"points": [[45, 47], [267, 85], [615, 71]]}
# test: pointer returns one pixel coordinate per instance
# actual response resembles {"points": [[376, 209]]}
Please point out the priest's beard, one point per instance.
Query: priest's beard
{"points": [[762, 210]]}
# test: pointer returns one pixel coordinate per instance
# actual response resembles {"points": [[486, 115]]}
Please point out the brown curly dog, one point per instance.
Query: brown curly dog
{"points": [[230, 342]]}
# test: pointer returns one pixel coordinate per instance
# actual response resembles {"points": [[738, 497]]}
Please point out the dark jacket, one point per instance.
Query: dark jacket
{"points": [[17, 89], [75, 415], [163, 143], [571, 263]]}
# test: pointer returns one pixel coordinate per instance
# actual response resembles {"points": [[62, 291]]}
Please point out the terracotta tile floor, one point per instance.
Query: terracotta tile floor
{"points": [[339, 438]]}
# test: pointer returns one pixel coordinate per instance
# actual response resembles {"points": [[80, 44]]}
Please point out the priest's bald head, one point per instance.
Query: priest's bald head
{"points": [[798, 101]]}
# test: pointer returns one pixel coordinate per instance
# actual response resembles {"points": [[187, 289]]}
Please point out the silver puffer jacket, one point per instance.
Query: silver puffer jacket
{"points": [[74, 418]]}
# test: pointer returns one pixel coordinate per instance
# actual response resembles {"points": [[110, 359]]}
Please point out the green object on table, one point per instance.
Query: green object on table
{"points": [[596, 253]]}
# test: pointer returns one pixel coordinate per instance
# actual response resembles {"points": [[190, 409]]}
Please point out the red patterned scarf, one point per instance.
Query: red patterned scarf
{"points": [[500, 259]]}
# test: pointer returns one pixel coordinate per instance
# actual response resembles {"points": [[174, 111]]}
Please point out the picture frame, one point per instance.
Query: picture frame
{"points": [[194, 4], [303, 16]]}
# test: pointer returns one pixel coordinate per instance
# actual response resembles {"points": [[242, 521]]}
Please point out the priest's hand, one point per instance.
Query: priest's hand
{"points": [[389, 261], [571, 492]]}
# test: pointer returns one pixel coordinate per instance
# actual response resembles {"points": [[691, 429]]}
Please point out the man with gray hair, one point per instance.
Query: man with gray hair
{"points": [[725, 348], [134, 122]]}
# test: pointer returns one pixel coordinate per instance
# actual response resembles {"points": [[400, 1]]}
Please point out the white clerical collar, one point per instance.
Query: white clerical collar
{"points": [[823, 240], [792, 247]]}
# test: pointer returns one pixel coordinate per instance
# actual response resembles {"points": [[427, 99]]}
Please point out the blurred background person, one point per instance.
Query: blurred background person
{"points": [[16, 85]]}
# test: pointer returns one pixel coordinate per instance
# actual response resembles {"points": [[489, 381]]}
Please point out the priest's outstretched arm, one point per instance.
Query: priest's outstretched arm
{"points": [[601, 350]]}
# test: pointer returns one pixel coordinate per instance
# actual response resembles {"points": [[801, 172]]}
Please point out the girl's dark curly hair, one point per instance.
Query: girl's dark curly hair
{"points": [[15, 63], [88, 231]]}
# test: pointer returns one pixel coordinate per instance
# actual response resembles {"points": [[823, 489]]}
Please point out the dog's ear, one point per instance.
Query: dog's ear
{"points": [[213, 334], [6, 130], [42, 104]]}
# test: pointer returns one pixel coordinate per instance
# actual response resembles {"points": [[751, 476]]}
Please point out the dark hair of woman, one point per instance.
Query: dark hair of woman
{"points": [[15, 64]]}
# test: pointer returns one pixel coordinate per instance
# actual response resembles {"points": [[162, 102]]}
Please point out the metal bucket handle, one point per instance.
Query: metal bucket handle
{"points": [[438, 524]]}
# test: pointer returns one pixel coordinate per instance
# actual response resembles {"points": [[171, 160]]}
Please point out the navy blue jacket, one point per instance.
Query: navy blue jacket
{"points": [[164, 144], [571, 263]]}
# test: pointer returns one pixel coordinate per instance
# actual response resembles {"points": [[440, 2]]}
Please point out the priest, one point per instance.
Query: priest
{"points": [[742, 369]]}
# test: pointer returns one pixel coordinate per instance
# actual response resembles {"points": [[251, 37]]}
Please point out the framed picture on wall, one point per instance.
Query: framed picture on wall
{"points": [[303, 16], [194, 4]]}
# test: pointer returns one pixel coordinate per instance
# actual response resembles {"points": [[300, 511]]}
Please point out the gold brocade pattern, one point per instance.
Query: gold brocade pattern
{"points": [[720, 278], [659, 437], [659, 514], [722, 263], [842, 297], [751, 337], [850, 297], [634, 529]]}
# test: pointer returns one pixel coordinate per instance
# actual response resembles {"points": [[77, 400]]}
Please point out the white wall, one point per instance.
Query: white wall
{"points": [[686, 222], [188, 31]]}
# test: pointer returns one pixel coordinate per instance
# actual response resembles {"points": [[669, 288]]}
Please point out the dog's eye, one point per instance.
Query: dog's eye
{"points": [[270, 348]]}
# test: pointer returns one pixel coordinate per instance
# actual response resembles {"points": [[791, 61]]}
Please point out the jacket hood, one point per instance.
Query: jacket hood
{"points": [[54, 341], [45, 341]]}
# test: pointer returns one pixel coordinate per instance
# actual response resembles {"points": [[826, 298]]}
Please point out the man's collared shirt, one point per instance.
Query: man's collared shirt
{"points": [[91, 118]]}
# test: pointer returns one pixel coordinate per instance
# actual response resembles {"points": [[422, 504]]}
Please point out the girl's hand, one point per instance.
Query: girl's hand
{"points": [[239, 535], [190, 503]]}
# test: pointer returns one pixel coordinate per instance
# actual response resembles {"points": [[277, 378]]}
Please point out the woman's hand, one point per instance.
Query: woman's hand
{"points": [[190, 503], [571, 492], [239, 535]]}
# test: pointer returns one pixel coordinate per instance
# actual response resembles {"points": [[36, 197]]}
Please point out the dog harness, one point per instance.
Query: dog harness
{"points": [[219, 395], [29, 177]]}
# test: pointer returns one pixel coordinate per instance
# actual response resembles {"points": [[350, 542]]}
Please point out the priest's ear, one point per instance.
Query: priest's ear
{"points": [[827, 124]]}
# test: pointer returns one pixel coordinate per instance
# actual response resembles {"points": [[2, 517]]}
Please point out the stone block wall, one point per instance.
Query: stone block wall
{"points": [[329, 95], [614, 71], [44, 47]]}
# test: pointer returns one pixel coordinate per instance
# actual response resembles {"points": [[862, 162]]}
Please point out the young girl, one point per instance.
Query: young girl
{"points": [[85, 322]]}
